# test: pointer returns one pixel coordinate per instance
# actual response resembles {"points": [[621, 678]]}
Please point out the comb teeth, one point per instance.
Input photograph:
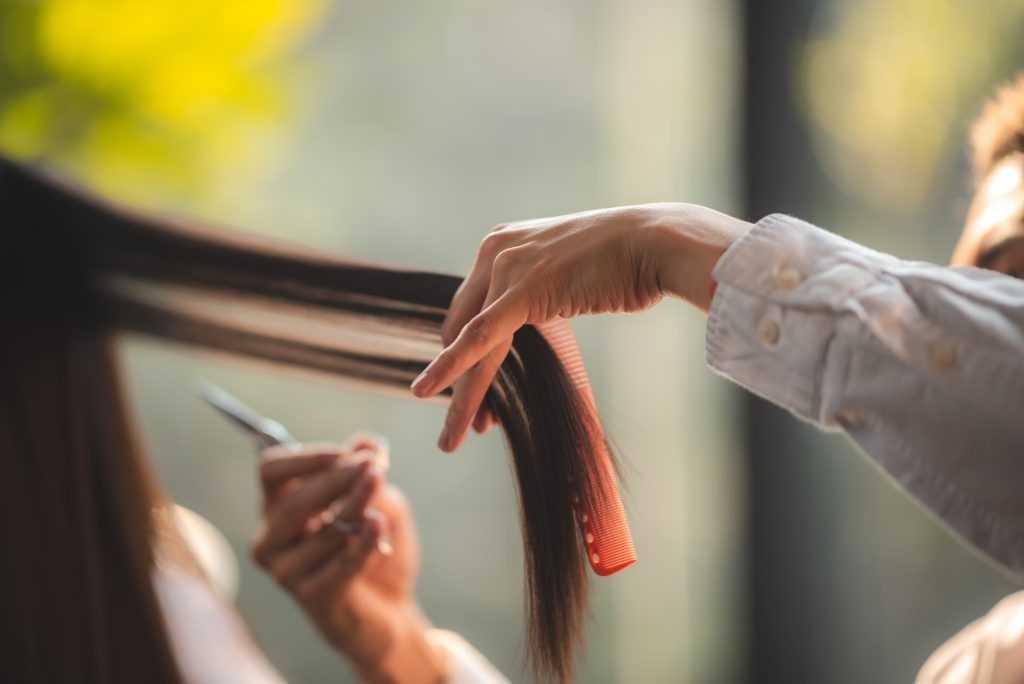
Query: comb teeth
{"points": [[602, 519], [559, 335]]}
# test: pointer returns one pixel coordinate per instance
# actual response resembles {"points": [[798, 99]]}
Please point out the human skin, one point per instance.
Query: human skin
{"points": [[362, 601], [627, 259], [613, 260], [624, 259]]}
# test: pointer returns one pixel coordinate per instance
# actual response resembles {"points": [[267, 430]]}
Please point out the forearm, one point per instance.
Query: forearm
{"points": [[412, 658], [920, 365], [433, 655]]}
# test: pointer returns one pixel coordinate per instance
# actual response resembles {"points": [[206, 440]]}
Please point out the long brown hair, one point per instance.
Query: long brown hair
{"points": [[76, 497]]}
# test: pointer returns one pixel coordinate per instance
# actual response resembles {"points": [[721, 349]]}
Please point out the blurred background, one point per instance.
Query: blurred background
{"points": [[403, 131]]}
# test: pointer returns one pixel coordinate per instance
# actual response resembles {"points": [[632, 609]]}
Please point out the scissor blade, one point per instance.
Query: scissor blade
{"points": [[266, 431]]}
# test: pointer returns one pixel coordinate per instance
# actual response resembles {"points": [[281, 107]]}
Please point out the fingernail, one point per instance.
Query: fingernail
{"points": [[364, 455], [444, 443], [418, 385]]}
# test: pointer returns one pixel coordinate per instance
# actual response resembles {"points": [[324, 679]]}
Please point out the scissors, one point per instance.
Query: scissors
{"points": [[267, 433]]}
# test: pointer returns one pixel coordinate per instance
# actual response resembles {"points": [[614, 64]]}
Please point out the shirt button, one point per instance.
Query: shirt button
{"points": [[787, 278], [768, 330], [941, 356]]}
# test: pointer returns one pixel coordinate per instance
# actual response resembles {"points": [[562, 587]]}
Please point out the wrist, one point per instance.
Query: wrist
{"points": [[413, 657], [686, 247]]}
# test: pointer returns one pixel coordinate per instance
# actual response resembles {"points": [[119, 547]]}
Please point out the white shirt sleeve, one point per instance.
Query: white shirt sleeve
{"points": [[466, 664], [921, 365]]}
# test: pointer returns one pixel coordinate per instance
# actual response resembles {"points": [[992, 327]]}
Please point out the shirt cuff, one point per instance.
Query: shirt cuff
{"points": [[772, 318], [466, 664]]}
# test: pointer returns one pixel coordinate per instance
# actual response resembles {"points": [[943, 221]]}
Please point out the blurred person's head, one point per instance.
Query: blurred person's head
{"points": [[993, 235], [79, 513]]}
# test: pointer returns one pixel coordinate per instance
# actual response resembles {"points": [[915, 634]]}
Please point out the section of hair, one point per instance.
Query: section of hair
{"points": [[75, 495], [999, 130], [553, 434]]}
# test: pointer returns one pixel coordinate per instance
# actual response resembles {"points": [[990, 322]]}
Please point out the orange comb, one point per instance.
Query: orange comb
{"points": [[602, 519]]}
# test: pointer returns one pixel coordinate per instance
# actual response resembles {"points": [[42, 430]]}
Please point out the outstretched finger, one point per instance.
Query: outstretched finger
{"points": [[481, 336], [468, 395], [289, 517], [293, 564], [467, 302], [471, 296], [484, 420], [372, 442], [352, 505], [280, 464]]}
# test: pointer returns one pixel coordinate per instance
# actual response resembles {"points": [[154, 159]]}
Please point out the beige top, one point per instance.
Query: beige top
{"points": [[196, 578], [210, 641], [988, 651]]}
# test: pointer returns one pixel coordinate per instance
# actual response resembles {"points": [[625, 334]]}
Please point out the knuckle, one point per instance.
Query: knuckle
{"points": [[258, 550], [450, 329], [331, 449], [483, 372], [341, 477], [506, 259], [306, 593], [492, 243], [281, 574], [479, 329], [258, 556], [514, 265], [444, 363]]}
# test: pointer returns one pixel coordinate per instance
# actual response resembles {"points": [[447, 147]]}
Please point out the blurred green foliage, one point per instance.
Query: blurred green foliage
{"points": [[147, 96]]}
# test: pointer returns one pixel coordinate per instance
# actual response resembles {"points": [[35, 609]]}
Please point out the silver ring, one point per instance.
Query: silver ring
{"points": [[346, 526], [329, 518]]}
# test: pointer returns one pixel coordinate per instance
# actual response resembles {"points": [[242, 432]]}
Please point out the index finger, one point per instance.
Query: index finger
{"points": [[280, 464], [482, 335], [289, 516], [468, 396], [468, 300], [471, 295]]}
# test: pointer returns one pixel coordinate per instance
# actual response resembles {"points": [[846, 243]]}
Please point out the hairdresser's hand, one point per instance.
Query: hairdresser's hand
{"points": [[611, 260], [361, 600]]}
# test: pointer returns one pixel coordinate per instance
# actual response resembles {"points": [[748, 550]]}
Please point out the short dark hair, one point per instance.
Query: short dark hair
{"points": [[999, 131]]}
